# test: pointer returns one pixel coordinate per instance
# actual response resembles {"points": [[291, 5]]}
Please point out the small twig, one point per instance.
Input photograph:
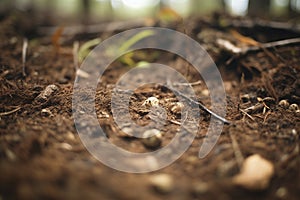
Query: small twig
{"points": [[265, 24], [24, 52], [188, 84], [253, 109], [238, 50], [266, 116], [245, 113], [174, 122], [10, 112], [237, 151], [201, 106]]}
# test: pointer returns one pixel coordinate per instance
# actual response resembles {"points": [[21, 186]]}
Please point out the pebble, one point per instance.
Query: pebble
{"points": [[294, 107], [151, 101], [46, 112], [162, 183], [245, 98], [192, 160], [281, 192], [13, 40], [200, 188], [46, 93], [152, 138], [228, 85], [65, 146], [70, 136], [176, 108], [205, 92], [298, 113], [284, 103], [255, 174], [294, 132], [10, 155]]}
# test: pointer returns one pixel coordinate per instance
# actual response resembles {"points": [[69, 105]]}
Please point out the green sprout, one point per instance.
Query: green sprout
{"points": [[128, 58], [134, 39], [85, 49]]}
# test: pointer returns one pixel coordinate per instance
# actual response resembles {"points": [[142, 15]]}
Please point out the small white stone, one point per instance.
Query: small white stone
{"points": [[151, 101], [284, 103], [281, 192], [255, 174], [177, 107], [294, 107], [66, 146], [163, 183], [245, 98], [10, 155], [152, 132], [205, 92], [47, 93], [152, 138], [200, 188], [46, 112], [298, 113], [70, 136]]}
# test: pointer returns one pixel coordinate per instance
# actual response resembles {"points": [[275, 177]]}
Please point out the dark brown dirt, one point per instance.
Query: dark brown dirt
{"points": [[42, 157]]}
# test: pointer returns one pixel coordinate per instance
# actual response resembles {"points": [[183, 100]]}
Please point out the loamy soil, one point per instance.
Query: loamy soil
{"points": [[42, 157]]}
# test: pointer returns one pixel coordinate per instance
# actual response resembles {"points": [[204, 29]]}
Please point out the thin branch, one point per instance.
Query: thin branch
{"points": [[264, 24], [245, 113], [203, 107], [238, 50], [188, 84], [24, 52], [10, 112]]}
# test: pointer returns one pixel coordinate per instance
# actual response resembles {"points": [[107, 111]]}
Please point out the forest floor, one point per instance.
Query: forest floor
{"points": [[42, 156]]}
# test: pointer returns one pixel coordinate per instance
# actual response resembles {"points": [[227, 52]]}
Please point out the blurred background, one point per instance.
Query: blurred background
{"points": [[89, 11]]}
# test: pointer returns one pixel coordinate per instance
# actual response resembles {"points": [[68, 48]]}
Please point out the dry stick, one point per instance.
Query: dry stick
{"points": [[10, 112], [246, 114], [188, 84], [238, 50], [24, 51], [265, 24], [203, 107]]}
